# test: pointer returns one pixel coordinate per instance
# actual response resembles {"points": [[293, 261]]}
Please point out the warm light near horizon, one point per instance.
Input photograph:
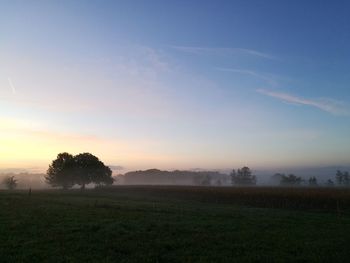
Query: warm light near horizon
{"points": [[24, 145], [172, 96]]}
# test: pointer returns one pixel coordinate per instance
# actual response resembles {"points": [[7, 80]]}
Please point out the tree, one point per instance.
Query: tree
{"points": [[10, 182], [82, 169], [312, 181], [61, 171], [342, 178], [346, 178], [339, 177], [105, 177], [290, 180], [243, 176], [89, 169], [233, 176]]}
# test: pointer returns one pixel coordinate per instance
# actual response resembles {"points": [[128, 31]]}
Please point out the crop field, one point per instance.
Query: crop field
{"points": [[176, 224]]}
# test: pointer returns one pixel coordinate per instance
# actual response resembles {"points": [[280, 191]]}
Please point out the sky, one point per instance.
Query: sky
{"points": [[175, 84]]}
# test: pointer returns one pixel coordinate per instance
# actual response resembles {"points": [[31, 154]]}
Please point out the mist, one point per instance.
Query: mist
{"points": [[196, 177], [26, 180]]}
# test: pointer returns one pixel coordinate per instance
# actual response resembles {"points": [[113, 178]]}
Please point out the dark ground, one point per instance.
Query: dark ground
{"points": [[176, 224]]}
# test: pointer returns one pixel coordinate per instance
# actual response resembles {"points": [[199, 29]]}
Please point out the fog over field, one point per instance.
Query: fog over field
{"points": [[27, 178]]}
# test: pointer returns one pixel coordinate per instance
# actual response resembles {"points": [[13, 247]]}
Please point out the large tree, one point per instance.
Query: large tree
{"points": [[82, 169], [89, 169], [61, 171]]}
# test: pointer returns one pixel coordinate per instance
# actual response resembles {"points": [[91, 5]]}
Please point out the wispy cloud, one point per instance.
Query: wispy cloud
{"points": [[271, 80], [326, 104], [223, 51], [11, 86]]}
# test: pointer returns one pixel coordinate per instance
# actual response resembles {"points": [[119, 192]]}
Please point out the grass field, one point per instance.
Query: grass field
{"points": [[176, 224]]}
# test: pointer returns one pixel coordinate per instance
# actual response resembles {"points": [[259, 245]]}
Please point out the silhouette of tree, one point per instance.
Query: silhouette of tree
{"points": [[312, 181], [61, 171], [243, 177], [10, 182], [290, 180], [105, 177], [339, 177], [233, 176], [346, 178], [82, 169], [89, 169], [342, 178]]}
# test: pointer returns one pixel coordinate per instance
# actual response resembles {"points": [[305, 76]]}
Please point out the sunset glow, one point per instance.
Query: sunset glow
{"points": [[141, 88]]}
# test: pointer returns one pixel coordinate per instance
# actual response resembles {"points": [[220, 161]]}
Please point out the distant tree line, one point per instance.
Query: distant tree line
{"points": [[342, 179], [242, 176], [82, 169], [177, 177], [288, 180]]}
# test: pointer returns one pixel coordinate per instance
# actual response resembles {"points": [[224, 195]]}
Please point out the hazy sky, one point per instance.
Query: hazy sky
{"points": [[175, 84]]}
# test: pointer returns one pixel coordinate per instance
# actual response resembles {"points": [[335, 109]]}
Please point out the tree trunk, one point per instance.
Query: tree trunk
{"points": [[82, 187]]}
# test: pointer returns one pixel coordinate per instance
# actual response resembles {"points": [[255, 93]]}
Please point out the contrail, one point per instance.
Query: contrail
{"points": [[11, 85]]}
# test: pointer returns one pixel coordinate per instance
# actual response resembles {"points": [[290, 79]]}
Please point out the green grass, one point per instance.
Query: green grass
{"points": [[175, 224]]}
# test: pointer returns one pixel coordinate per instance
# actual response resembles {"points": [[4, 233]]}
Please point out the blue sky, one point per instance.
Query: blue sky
{"points": [[176, 84]]}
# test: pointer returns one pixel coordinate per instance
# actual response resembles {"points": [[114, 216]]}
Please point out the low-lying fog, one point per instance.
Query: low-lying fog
{"points": [[36, 180]]}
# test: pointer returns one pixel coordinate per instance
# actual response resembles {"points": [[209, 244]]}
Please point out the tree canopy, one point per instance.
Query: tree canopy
{"points": [[243, 176], [61, 171], [82, 169]]}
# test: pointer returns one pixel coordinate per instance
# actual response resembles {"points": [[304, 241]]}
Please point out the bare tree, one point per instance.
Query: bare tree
{"points": [[10, 182]]}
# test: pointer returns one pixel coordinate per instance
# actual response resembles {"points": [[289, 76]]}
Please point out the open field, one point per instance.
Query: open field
{"points": [[176, 224]]}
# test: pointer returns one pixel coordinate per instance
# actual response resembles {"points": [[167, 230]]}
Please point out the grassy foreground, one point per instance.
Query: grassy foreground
{"points": [[176, 224]]}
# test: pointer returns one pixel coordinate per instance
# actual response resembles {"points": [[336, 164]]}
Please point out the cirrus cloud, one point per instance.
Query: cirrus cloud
{"points": [[325, 104], [223, 51]]}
